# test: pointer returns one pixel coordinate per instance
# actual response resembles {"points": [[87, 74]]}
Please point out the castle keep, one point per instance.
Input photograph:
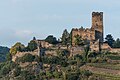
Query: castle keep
{"points": [[93, 34]]}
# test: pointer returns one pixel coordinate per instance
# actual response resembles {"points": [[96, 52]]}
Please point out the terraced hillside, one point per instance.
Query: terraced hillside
{"points": [[109, 70]]}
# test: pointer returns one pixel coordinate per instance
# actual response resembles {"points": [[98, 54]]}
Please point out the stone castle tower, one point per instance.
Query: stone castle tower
{"points": [[97, 25], [94, 33]]}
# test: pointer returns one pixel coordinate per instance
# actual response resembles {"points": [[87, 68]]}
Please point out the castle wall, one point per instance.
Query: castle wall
{"points": [[86, 34], [92, 34], [43, 43]]}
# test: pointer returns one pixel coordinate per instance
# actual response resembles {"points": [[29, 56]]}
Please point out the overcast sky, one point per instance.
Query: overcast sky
{"points": [[20, 20]]}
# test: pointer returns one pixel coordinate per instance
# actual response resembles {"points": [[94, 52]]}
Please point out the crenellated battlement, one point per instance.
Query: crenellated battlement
{"points": [[97, 14]]}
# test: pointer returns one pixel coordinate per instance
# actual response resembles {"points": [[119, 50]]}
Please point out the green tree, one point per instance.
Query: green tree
{"points": [[73, 76], [8, 57], [116, 44], [86, 74], [57, 75], [6, 67], [78, 40], [17, 71], [65, 37], [26, 58], [32, 46], [86, 53], [34, 38], [49, 74], [26, 75], [51, 39], [17, 47], [109, 39]]}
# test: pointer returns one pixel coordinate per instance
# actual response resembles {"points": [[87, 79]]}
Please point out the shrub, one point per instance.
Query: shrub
{"points": [[72, 62], [114, 57], [101, 60], [17, 47], [1, 65], [49, 74], [63, 63], [27, 76], [57, 74], [27, 58], [80, 57], [95, 77], [73, 76], [5, 70], [17, 71], [55, 60], [94, 60], [86, 73], [9, 57], [41, 73], [92, 54], [7, 67]]}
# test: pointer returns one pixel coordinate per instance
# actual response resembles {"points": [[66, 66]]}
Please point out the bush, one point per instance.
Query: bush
{"points": [[6, 67], [49, 74], [80, 57], [72, 62], [26, 58], [73, 76], [57, 74], [2, 64], [63, 63], [92, 54], [17, 47], [27, 76], [101, 60], [5, 70], [51, 60], [55, 60], [9, 57], [86, 73], [41, 73], [37, 59], [114, 57], [17, 71], [93, 60], [94, 77]]}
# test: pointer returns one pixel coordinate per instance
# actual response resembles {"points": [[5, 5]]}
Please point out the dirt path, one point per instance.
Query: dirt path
{"points": [[101, 70]]}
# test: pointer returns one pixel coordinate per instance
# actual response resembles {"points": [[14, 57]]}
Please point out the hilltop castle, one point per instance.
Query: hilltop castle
{"points": [[94, 34]]}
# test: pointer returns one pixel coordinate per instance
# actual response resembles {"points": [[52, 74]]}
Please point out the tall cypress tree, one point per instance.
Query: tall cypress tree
{"points": [[65, 37]]}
